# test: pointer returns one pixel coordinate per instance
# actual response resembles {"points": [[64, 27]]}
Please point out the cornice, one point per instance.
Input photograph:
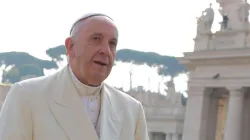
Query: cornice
{"points": [[222, 82], [165, 118], [215, 54], [236, 90], [191, 63]]}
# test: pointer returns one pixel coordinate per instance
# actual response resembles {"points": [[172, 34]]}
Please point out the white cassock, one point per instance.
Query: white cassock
{"points": [[91, 98], [59, 107]]}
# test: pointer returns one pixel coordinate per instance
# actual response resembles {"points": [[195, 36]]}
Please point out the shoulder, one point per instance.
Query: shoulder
{"points": [[32, 90], [33, 87], [38, 81], [26, 88], [42, 83]]}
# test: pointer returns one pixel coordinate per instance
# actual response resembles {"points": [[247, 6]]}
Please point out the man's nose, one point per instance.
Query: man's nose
{"points": [[105, 48]]}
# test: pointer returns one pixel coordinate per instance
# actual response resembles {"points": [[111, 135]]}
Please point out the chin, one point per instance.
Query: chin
{"points": [[99, 78]]}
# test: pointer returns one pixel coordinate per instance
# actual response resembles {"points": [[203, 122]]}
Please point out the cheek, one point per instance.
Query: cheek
{"points": [[113, 55], [83, 58], [78, 52]]}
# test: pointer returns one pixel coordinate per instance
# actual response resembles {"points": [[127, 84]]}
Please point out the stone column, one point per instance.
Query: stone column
{"points": [[246, 119], [196, 117], [175, 137], [233, 129], [212, 118], [168, 136], [150, 135]]}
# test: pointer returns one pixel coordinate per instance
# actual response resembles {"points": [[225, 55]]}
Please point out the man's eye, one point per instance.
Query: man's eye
{"points": [[96, 38], [113, 43]]}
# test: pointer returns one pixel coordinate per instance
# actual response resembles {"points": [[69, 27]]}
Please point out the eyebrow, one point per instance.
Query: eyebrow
{"points": [[100, 34]]}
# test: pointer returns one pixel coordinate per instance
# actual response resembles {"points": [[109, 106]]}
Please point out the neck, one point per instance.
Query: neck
{"points": [[82, 79], [84, 89]]}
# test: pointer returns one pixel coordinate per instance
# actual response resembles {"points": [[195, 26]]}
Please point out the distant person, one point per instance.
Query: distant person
{"points": [[75, 103]]}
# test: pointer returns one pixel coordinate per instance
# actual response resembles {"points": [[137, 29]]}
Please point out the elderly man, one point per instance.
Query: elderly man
{"points": [[75, 103]]}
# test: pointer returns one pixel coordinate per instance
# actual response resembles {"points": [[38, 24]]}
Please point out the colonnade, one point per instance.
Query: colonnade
{"points": [[164, 136], [170, 136], [201, 118]]}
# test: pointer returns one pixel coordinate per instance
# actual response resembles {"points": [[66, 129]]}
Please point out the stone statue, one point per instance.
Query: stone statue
{"points": [[173, 97], [171, 89], [234, 14], [205, 22], [224, 2], [243, 12], [224, 22]]}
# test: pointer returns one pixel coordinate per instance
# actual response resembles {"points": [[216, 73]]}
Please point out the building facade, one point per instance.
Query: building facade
{"points": [[164, 114], [219, 78]]}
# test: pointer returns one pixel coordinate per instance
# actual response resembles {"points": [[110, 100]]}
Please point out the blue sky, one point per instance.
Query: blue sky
{"points": [[165, 27]]}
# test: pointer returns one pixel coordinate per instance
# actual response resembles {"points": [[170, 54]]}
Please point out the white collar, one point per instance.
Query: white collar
{"points": [[84, 90]]}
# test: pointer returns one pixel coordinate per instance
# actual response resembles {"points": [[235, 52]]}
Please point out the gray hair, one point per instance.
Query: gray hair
{"points": [[86, 16]]}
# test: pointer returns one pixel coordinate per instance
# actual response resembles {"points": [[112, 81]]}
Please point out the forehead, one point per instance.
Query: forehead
{"points": [[98, 24]]}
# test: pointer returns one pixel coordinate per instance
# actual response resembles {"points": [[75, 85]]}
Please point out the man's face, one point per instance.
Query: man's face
{"points": [[92, 50]]}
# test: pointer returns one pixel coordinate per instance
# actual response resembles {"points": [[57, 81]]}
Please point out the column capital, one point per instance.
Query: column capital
{"points": [[175, 136], [196, 91], [236, 91]]}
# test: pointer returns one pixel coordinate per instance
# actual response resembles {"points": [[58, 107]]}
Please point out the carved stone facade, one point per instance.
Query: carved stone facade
{"points": [[219, 80], [234, 33], [164, 114]]}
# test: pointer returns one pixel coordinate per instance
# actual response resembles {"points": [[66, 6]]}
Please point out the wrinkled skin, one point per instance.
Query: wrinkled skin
{"points": [[91, 49]]}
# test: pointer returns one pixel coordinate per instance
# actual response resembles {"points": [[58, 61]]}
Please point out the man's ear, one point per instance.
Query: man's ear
{"points": [[69, 47]]}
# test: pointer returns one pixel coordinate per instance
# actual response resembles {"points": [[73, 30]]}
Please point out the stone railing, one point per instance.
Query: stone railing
{"points": [[165, 113]]}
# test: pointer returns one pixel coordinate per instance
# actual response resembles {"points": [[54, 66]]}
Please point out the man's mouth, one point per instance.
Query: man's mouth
{"points": [[100, 63]]}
